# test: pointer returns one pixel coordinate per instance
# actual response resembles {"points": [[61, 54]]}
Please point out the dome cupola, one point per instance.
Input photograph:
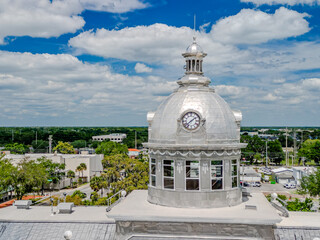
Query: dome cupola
{"points": [[194, 143]]}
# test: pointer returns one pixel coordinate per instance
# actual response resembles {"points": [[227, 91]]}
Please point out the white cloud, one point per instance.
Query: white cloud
{"points": [[38, 18], [45, 18], [114, 6], [157, 43], [283, 2], [142, 68], [254, 26], [51, 88]]}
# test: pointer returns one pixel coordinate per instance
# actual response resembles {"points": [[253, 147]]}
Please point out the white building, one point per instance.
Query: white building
{"points": [[114, 137], [283, 175], [299, 172], [71, 161]]}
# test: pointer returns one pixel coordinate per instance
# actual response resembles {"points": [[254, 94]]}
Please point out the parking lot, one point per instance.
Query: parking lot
{"points": [[270, 188]]}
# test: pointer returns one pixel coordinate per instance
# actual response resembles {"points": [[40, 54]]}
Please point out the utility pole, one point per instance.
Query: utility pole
{"points": [[12, 138], [266, 153], [294, 145], [135, 139], [37, 138], [287, 163], [50, 143]]}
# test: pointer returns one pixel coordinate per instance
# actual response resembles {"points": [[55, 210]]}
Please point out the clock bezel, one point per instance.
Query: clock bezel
{"points": [[184, 114]]}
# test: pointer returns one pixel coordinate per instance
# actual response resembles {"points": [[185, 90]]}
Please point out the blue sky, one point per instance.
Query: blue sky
{"points": [[107, 63]]}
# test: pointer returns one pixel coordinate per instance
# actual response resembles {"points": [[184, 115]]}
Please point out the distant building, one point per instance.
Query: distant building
{"points": [[299, 172], [133, 153], [248, 174], [114, 137], [283, 175], [71, 161]]}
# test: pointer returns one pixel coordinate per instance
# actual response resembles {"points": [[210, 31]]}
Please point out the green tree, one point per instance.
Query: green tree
{"points": [[27, 176], [311, 184], [82, 167], [55, 170], [275, 152], [79, 144], [96, 183], [64, 147], [40, 144], [71, 175], [122, 172], [255, 146], [16, 148], [111, 148], [6, 169], [311, 150]]}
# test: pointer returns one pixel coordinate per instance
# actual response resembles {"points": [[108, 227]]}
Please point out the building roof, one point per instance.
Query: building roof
{"points": [[136, 207], [133, 150], [281, 169], [55, 231]]}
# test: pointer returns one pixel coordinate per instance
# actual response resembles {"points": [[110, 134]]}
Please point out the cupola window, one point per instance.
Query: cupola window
{"points": [[234, 173], [168, 174], [192, 175], [216, 175], [153, 168]]}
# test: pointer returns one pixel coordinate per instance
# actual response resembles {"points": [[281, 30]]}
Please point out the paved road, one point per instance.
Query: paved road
{"points": [[270, 188]]}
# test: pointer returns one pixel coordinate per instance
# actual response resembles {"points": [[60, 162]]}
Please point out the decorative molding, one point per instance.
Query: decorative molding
{"points": [[205, 167], [179, 166], [204, 153]]}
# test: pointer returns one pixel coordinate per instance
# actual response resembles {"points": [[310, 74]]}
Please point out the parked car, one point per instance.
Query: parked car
{"points": [[245, 184], [290, 185], [256, 184]]}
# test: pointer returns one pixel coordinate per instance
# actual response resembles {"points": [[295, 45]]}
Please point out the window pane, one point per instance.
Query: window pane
{"points": [[153, 181], [153, 169], [192, 184], [216, 162], [216, 171], [192, 172], [234, 182], [153, 160], [168, 162], [234, 170], [168, 171], [168, 183], [216, 184], [234, 161]]}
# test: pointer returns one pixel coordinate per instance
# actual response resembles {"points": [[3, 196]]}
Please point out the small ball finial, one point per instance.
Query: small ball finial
{"points": [[68, 235]]}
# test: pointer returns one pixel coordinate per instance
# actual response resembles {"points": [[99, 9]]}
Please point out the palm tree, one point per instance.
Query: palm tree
{"points": [[83, 167], [79, 169], [71, 175]]}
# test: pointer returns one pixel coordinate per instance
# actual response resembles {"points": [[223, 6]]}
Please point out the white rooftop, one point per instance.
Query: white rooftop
{"points": [[43, 214], [136, 207], [281, 169]]}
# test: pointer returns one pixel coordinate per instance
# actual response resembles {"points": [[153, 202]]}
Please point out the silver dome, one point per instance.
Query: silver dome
{"points": [[219, 122], [194, 48]]}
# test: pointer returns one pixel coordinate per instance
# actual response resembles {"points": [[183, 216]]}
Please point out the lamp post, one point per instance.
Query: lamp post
{"points": [[267, 153]]}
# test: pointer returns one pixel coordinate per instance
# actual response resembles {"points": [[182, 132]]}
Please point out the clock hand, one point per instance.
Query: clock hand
{"points": [[191, 120]]}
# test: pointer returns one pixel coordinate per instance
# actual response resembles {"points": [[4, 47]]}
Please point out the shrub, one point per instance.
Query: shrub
{"points": [[79, 193]]}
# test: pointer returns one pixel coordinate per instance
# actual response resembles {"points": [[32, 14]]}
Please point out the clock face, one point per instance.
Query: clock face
{"points": [[191, 120]]}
